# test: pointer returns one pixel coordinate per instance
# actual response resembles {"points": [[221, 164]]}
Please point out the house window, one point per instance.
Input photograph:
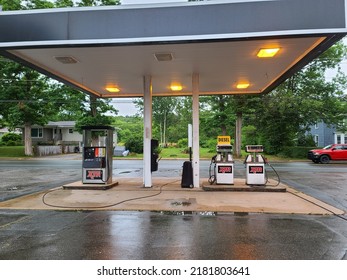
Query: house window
{"points": [[70, 130], [338, 139], [316, 126], [345, 138], [36, 132], [315, 138]]}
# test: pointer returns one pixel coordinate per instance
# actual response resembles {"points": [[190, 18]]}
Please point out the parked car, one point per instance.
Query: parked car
{"points": [[328, 153]]}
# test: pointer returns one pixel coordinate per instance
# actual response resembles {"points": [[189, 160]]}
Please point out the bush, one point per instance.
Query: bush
{"points": [[295, 152], [134, 145], [11, 139], [182, 143], [211, 145]]}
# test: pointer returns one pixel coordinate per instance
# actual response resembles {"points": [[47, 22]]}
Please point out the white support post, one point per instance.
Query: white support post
{"points": [[147, 131], [196, 123]]}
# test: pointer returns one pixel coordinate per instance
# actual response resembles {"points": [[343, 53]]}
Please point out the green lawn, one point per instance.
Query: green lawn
{"points": [[12, 151], [167, 153], [179, 153]]}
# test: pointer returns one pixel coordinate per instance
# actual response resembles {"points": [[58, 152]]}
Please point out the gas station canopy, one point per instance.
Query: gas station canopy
{"points": [[107, 51]]}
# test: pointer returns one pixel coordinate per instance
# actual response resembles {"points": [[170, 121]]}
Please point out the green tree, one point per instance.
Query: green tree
{"points": [[72, 103], [11, 5], [25, 99], [304, 99], [164, 115], [217, 113], [64, 3], [224, 114], [38, 4], [32, 98], [97, 112], [130, 132], [183, 116], [86, 3]]}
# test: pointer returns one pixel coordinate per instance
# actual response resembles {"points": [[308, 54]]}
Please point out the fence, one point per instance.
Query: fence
{"points": [[54, 150]]}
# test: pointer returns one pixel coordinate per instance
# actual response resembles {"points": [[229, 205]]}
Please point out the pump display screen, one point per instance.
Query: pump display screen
{"points": [[94, 152], [94, 157], [255, 169], [225, 169]]}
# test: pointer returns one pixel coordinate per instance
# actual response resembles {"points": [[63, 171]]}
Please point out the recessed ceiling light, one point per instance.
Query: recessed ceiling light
{"points": [[163, 56], [112, 89], [242, 85], [66, 59], [268, 52], [176, 87]]}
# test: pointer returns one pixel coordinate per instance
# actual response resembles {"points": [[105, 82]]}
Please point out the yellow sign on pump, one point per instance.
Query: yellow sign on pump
{"points": [[223, 140]]}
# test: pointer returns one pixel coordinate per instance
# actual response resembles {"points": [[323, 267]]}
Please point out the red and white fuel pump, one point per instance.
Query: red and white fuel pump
{"points": [[224, 165], [223, 171], [255, 165], [97, 154]]}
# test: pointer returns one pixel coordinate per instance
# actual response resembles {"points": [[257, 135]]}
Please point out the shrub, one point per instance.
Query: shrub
{"points": [[295, 152], [182, 143], [134, 145], [11, 139]]}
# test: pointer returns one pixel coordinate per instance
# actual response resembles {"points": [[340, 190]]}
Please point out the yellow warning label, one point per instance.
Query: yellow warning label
{"points": [[223, 140]]}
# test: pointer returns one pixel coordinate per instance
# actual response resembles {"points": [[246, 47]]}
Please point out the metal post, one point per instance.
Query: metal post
{"points": [[196, 147], [147, 132]]}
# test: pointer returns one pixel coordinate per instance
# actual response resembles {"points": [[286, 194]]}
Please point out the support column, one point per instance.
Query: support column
{"points": [[147, 131], [196, 136]]}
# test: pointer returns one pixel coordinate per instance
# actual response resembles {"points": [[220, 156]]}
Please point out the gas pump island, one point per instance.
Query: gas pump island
{"points": [[97, 154]]}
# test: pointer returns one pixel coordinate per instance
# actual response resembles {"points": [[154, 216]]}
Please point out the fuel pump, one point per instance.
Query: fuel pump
{"points": [[223, 170], [97, 154], [255, 165], [224, 165]]}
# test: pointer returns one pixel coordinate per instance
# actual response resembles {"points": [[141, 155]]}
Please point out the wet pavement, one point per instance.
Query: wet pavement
{"points": [[103, 235], [87, 234]]}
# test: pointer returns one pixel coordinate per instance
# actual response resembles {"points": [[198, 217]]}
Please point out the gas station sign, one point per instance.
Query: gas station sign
{"points": [[94, 174], [223, 140]]}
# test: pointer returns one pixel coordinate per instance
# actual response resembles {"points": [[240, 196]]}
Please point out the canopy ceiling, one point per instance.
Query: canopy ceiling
{"points": [[94, 48]]}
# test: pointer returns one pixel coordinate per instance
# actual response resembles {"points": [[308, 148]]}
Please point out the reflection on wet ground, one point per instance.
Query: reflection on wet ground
{"points": [[162, 235]]}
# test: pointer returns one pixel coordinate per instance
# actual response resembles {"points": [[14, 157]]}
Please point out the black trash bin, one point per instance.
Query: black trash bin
{"points": [[187, 175]]}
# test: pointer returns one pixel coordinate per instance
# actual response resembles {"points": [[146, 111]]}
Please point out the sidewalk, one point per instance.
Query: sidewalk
{"points": [[167, 195]]}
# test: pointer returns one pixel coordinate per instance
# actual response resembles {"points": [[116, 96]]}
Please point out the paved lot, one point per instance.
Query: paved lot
{"points": [[179, 233], [119, 235]]}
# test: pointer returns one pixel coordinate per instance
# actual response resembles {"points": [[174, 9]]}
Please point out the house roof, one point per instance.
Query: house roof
{"points": [[6, 130], [61, 124], [116, 46]]}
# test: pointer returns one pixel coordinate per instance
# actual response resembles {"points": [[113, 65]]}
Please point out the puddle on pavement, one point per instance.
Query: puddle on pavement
{"points": [[185, 213]]}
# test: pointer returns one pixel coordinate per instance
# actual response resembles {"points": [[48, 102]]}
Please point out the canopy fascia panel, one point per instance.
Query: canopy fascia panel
{"points": [[217, 39]]}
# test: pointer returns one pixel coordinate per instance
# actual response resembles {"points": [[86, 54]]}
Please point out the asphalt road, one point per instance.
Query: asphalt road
{"points": [[28, 234]]}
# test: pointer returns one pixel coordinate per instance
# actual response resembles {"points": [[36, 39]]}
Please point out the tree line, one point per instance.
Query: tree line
{"points": [[276, 120]]}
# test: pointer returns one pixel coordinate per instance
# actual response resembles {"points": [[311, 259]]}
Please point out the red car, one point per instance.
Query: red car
{"points": [[328, 153]]}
